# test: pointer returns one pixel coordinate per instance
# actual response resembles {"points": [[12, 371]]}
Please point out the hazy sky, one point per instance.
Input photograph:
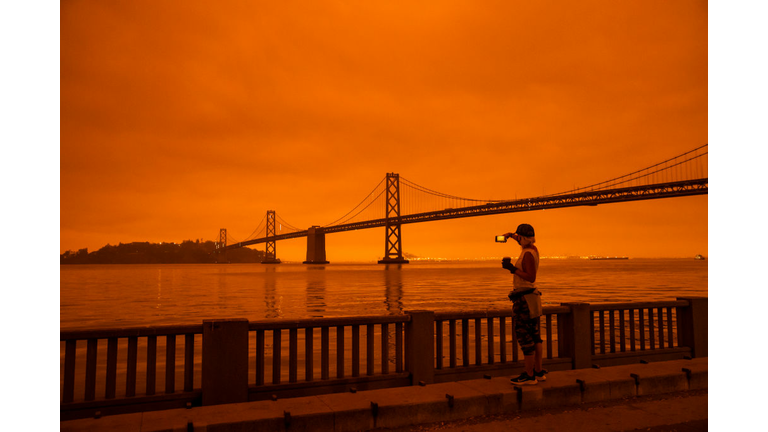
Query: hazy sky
{"points": [[181, 118]]}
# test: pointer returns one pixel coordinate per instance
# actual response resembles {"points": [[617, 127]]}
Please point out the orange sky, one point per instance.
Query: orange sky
{"points": [[180, 118]]}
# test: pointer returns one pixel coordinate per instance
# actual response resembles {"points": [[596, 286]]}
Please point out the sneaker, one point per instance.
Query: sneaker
{"points": [[540, 375], [524, 379]]}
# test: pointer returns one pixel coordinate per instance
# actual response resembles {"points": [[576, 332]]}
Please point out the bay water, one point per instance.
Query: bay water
{"points": [[109, 296]]}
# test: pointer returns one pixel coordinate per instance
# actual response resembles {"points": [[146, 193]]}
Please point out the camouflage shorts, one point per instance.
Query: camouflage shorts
{"points": [[527, 329]]}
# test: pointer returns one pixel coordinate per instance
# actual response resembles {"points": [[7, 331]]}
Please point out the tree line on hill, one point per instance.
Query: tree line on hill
{"points": [[186, 252]]}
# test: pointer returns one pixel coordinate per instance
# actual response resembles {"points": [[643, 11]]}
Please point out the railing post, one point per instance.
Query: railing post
{"points": [[225, 361], [576, 334], [692, 326], [420, 346]]}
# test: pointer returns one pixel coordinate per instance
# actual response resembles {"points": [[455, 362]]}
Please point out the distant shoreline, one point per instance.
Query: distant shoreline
{"points": [[186, 252]]}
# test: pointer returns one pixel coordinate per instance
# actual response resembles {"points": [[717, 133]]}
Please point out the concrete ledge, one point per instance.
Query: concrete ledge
{"points": [[307, 413], [413, 405], [351, 411], [548, 394], [599, 384], [117, 423], [502, 397], [404, 406], [656, 378], [697, 373]]}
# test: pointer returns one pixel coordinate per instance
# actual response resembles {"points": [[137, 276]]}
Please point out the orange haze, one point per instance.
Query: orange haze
{"points": [[182, 117]]}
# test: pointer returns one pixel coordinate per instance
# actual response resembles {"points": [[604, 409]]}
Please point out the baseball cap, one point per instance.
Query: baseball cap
{"points": [[525, 230]]}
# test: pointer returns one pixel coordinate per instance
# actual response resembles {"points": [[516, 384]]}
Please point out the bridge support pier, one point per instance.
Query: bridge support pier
{"points": [[316, 246]]}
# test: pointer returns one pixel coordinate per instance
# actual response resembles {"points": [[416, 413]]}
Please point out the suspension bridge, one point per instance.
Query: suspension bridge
{"points": [[396, 201]]}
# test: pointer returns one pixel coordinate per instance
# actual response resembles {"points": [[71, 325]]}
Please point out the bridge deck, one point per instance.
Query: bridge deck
{"points": [[591, 198]]}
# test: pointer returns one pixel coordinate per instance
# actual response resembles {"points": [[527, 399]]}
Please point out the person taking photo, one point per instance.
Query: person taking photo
{"points": [[526, 304]]}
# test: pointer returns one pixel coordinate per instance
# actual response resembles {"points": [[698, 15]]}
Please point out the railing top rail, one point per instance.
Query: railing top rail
{"points": [[495, 313], [326, 322], [275, 324], [637, 305], [121, 332]]}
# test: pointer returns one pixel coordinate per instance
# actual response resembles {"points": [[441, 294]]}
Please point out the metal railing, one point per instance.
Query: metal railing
{"points": [[339, 345], [467, 343], [114, 371], [94, 359]]}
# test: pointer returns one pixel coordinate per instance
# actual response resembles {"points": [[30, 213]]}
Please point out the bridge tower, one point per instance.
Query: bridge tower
{"points": [[270, 250], [393, 246], [221, 252]]}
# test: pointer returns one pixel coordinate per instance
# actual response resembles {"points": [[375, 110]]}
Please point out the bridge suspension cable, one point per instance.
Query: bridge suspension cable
{"points": [[442, 195], [257, 231], [286, 224], [657, 173], [419, 199], [364, 205]]}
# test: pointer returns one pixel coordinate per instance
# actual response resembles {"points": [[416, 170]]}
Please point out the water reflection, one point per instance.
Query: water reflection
{"points": [[159, 287], [316, 291], [271, 300], [99, 296], [221, 292], [393, 283]]}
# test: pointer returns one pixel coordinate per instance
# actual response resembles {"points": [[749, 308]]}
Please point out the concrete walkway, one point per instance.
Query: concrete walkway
{"points": [[681, 411], [560, 399]]}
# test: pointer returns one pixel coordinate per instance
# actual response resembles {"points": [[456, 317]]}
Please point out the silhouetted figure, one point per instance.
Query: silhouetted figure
{"points": [[526, 304]]}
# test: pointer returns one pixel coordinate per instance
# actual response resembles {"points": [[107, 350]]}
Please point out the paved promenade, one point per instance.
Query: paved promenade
{"points": [[681, 411], [661, 396]]}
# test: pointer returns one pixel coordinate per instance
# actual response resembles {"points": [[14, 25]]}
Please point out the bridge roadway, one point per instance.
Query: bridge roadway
{"points": [[590, 198]]}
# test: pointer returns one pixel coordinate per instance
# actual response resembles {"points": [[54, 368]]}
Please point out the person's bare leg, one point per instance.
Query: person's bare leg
{"points": [[530, 360]]}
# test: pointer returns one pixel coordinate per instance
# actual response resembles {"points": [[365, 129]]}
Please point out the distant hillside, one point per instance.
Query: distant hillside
{"points": [[189, 252]]}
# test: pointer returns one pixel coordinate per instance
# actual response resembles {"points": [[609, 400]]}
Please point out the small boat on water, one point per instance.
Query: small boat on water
{"points": [[608, 258], [699, 257]]}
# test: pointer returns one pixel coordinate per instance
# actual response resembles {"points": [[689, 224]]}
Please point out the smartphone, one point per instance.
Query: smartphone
{"points": [[501, 239]]}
